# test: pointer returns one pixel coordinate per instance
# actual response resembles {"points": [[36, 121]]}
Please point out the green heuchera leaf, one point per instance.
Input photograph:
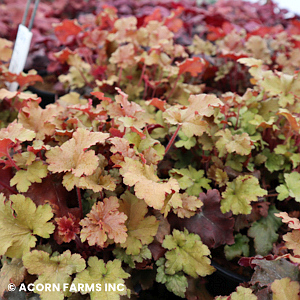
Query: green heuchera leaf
{"points": [[186, 253], [191, 180], [240, 294], [239, 248], [290, 188], [264, 232], [176, 283], [275, 162], [295, 158], [101, 273], [53, 270], [186, 142], [145, 253], [20, 220], [240, 193], [24, 178]]}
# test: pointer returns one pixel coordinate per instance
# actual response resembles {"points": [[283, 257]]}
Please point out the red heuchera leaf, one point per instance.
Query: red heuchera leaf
{"points": [[104, 221], [101, 96], [160, 104], [114, 132], [155, 16], [214, 227], [5, 176], [193, 65], [62, 56], [67, 229], [66, 29], [172, 22], [51, 191], [5, 146], [248, 261], [28, 79]]}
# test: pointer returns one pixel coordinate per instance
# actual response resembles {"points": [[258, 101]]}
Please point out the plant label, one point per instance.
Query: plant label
{"points": [[20, 53]]}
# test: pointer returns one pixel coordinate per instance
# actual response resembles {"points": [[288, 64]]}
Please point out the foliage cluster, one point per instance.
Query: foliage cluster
{"points": [[176, 143]]}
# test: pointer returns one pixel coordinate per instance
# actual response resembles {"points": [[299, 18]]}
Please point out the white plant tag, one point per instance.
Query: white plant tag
{"points": [[20, 54]]}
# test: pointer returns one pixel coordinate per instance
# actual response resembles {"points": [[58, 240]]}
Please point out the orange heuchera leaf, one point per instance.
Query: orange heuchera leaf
{"points": [[291, 118], [5, 94], [121, 148], [66, 29], [128, 108], [39, 120], [146, 184], [292, 222], [292, 241], [16, 132], [67, 228], [104, 221], [71, 155], [190, 204], [124, 56], [191, 117], [97, 181], [5, 49], [193, 65]]}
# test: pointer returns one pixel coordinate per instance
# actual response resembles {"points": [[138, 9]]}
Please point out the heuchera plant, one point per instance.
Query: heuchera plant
{"points": [[160, 159]]}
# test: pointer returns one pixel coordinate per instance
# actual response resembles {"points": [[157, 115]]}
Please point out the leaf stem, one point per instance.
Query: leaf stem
{"points": [[12, 162], [141, 78], [9, 188], [174, 87], [171, 141], [79, 201], [272, 195], [84, 78], [120, 75]]}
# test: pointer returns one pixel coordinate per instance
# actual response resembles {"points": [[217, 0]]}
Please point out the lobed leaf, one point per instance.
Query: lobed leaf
{"points": [[104, 221], [54, 270], [20, 221], [239, 193], [186, 253], [140, 229], [214, 227], [264, 232], [72, 157], [290, 188], [239, 248], [11, 272], [191, 180], [24, 178], [146, 184], [103, 273], [176, 283], [285, 289]]}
